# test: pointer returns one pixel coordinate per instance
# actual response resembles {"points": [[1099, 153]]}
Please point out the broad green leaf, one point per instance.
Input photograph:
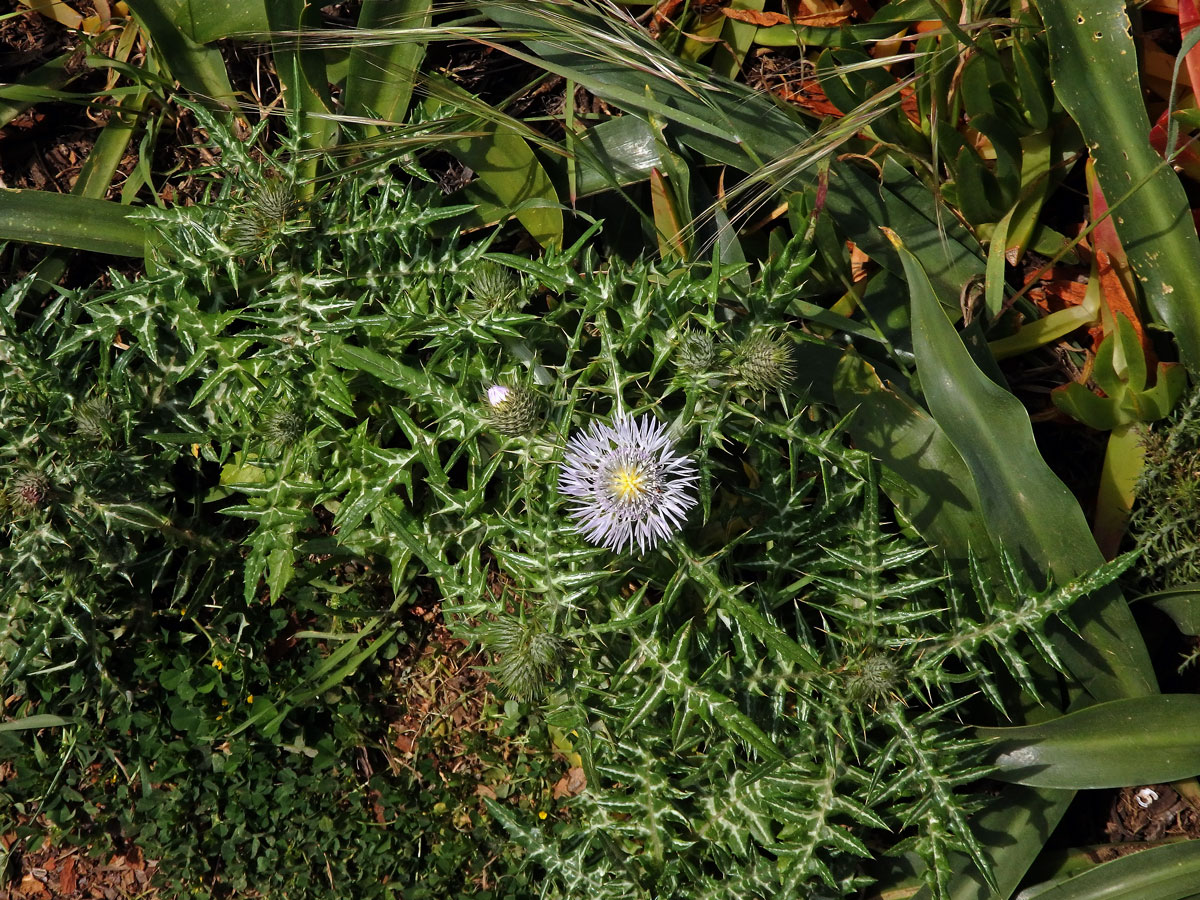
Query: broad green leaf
{"points": [[1168, 872], [199, 69], [1182, 604], [213, 20], [1140, 740], [1012, 830], [620, 151], [1094, 65], [942, 505], [379, 82], [62, 220], [509, 174], [1029, 510]]}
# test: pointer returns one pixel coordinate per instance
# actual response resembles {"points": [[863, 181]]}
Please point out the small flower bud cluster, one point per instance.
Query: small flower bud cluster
{"points": [[762, 361]]}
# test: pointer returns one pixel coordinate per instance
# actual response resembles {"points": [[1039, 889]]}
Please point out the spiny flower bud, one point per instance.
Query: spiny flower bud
{"points": [[282, 427], [512, 410], [27, 490], [275, 201], [524, 655], [93, 420], [873, 679], [493, 289], [695, 354], [261, 216], [766, 362]]}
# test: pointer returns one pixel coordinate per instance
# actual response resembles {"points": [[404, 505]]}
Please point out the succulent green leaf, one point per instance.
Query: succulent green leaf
{"points": [[1030, 511], [63, 220], [1094, 65], [1146, 740]]}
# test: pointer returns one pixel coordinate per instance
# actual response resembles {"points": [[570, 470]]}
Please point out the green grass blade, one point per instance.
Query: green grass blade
{"points": [[35, 722], [1094, 63], [51, 76], [62, 220], [730, 123]]}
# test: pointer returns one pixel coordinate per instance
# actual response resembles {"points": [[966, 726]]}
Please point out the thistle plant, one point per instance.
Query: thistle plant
{"points": [[767, 680], [1166, 520]]}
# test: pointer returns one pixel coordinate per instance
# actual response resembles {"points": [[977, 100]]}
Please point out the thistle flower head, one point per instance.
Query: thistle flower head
{"points": [[695, 354], [93, 420], [628, 483], [275, 201], [766, 362], [873, 679], [261, 216], [27, 490], [511, 410], [493, 289], [282, 427], [527, 655]]}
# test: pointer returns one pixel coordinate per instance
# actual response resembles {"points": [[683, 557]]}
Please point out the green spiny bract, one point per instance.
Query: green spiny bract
{"points": [[765, 362], [93, 419]]}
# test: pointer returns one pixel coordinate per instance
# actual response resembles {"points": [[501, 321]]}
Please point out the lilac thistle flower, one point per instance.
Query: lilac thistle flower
{"points": [[628, 483]]}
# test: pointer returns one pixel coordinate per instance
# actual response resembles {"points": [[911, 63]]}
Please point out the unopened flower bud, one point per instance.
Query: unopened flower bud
{"points": [[512, 410], [695, 355], [766, 362]]}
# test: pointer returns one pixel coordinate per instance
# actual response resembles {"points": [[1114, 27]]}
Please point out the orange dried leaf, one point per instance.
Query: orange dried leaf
{"points": [[767, 19]]}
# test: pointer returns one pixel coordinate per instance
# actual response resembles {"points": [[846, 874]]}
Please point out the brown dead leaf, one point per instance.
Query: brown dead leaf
{"points": [[767, 19], [31, 887], [66, 876], [570, 784], [485, 790], [859, 263]]}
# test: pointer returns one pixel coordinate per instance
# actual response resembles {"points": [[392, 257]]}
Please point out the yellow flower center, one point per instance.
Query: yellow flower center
{"points": [[628, 483]]}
